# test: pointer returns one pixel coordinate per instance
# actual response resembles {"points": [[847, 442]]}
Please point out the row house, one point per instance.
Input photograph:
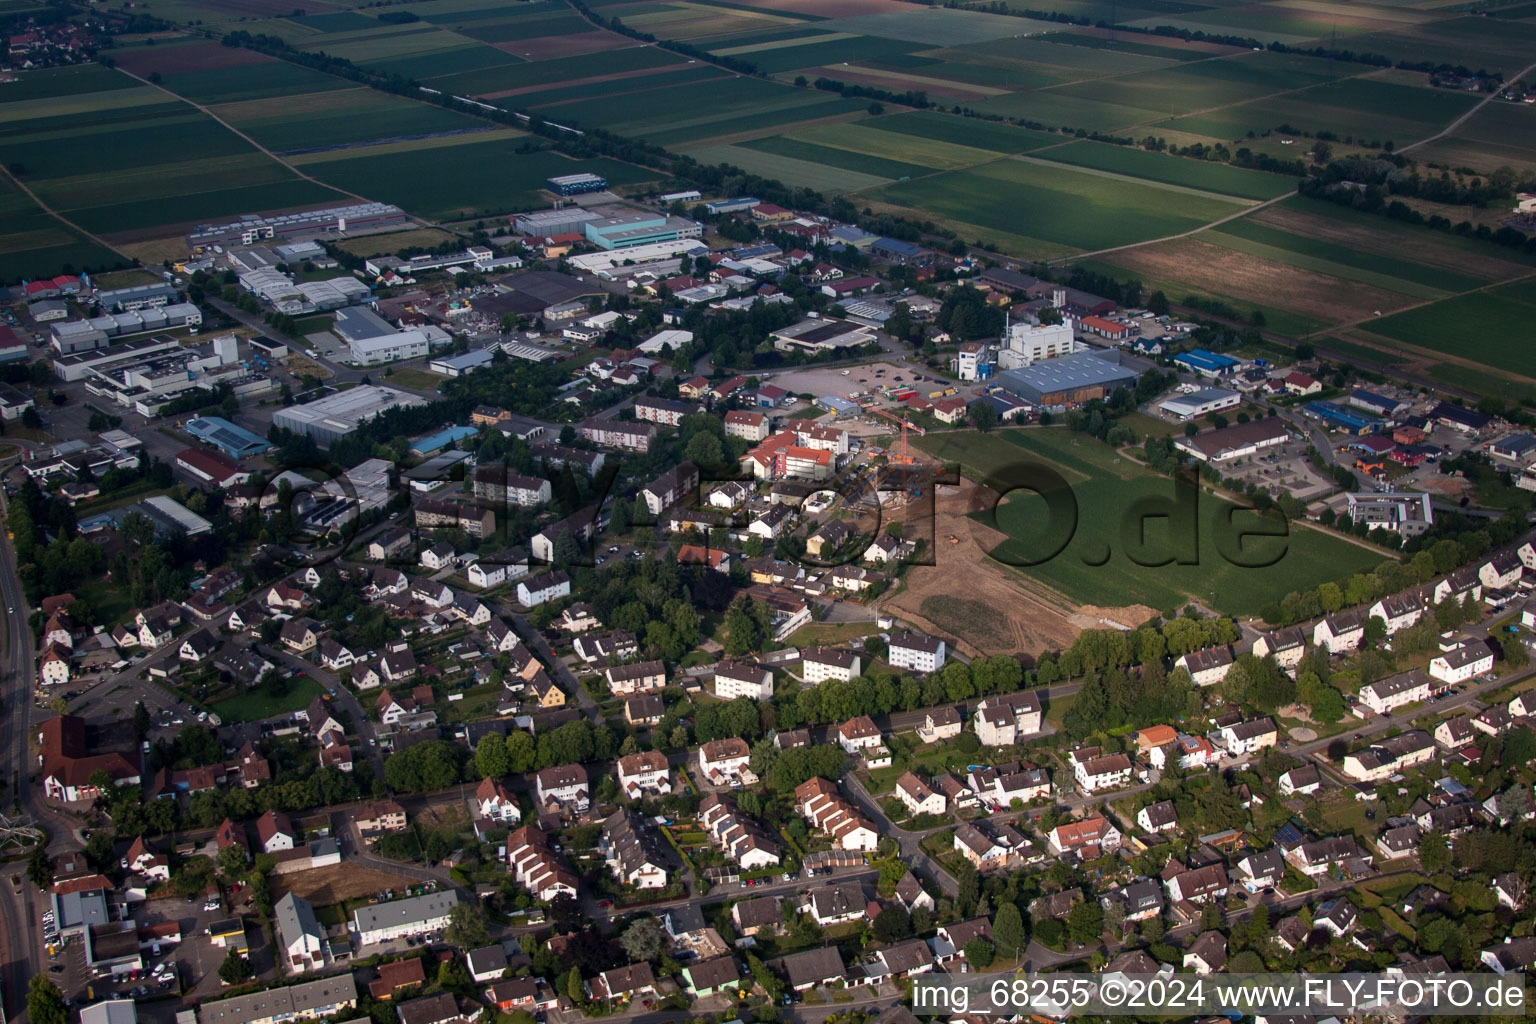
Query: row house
{"points": [[827, 810], [625, 436], [433, 514], [641, 677], [1387, 695], [1000, 786], [1319, 857], [741, 839], [536, 866], [663, 412], [1386, 758], [632, 850], [670, 488]]}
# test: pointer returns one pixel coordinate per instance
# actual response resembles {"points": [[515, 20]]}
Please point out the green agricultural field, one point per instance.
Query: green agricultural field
{"points": [[51, 82], [1202, 85], [481, 179], [819, 176], [1402, 268], [963, 131], [552, 72], [1499, 135], [1362, 108], [251, 82], [1493, 43], [1106, 488], [34, 244], [926, 153], [1044, 50], [1496, 327], [846, 159], [936, 26], [1058, 110], [381, 117], [341, 21], [641, 111], [1172, 170], [1127, 45], [698, 131], [837, 51], [445, 63], [1057, 204], [567, 24], [661, 78], [202, 206]]}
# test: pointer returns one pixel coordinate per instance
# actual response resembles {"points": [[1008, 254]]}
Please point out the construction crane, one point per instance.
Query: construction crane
{"points": [[904, 453]]}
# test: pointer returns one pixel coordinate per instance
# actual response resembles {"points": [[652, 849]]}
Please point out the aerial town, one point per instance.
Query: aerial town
{"points": [[724, 605]]}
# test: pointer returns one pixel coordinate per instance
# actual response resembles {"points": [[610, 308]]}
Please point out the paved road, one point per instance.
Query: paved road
{"points": [[561, 673], [345, 699], [910, 843]]}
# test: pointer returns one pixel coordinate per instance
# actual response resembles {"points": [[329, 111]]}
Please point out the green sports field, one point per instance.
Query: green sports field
{"points": [[1107, 489]]}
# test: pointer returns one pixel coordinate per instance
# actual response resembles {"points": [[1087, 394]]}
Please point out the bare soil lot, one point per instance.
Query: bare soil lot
{"points": [[574, 45], [173, 60], [1255, 279], [1426, 249], [337, 883], [984, 606]]}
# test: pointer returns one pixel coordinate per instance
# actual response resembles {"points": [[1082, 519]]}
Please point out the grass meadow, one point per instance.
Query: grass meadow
{"points": [[1106, 488]]}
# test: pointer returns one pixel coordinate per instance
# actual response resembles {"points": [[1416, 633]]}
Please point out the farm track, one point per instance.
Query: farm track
{"points": [[56, 215], [204, 109]]}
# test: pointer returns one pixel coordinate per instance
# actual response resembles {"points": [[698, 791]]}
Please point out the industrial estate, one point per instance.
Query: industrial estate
{"points": [[705, 513]]}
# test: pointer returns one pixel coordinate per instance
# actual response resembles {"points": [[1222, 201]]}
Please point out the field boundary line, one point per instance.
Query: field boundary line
{"points": [[56, 215], [203, 108], [1448, 129]]}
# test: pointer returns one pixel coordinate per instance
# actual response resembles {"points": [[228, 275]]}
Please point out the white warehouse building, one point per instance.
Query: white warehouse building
{"points": [[1200, 403]]}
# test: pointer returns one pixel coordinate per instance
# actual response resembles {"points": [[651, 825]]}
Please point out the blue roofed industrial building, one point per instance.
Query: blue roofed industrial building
{"points": [[639, 227], [1339, 417], [1374, 402], [1206, 363], [894, 250], [442, 439], [1068, 380], [232, 440]]}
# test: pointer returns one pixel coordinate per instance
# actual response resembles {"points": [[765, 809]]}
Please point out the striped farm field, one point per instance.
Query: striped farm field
{"points": [[1431, 282], [1060, 204], [927, 153], [850, 160], [810, 174], [444, 142], [699, 131], [1172, 170], [1496, 327], [962, 131]]}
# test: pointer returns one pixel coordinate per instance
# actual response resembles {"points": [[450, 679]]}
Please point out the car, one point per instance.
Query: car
{"points": [[613, 550], [789, 876], [605, 903], [56, 969]]}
